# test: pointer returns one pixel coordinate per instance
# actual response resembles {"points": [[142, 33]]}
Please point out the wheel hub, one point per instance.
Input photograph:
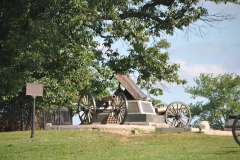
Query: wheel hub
{"points": [[178, 116]]}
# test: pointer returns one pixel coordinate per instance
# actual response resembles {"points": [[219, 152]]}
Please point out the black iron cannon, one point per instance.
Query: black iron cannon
{"points": [[236, 127]]}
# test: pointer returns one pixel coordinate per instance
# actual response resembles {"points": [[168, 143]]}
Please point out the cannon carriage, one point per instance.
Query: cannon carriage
{"points": [[89, 109], [236, 127], [129, 106]]}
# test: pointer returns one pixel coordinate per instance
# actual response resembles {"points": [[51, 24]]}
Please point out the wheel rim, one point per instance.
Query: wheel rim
{"points": [[86, 108], [236, 130], [120, 107], [178, 115]]}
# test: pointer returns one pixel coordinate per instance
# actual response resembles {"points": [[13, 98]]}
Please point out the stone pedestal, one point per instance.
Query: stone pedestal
{"points": [[136, 118], [48, 126], [204, 126]]}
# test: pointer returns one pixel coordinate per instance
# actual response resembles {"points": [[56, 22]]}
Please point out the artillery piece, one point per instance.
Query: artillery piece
{"points": [[116, 104], [177, 114], [236, 127], [130, 106]]}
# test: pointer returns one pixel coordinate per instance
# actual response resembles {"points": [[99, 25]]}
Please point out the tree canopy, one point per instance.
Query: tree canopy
{"points": [[53, 42], [223, 95]]}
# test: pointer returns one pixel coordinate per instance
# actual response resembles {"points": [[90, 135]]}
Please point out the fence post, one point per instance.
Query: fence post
{"points": [[71, 112], [44, 123], [59, 116], [22, 120], [33, 118]]}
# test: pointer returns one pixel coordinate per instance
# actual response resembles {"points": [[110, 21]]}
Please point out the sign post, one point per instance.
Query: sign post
{"points": [[34, 89]]}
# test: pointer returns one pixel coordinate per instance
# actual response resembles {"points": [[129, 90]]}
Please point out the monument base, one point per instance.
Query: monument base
{"points": [[139, 119]]}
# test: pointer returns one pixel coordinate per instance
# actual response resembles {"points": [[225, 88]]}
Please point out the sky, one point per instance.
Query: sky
{"points": [[217, 52]]}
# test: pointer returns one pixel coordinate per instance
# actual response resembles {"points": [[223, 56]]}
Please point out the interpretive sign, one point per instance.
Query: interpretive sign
{"points": [[34, 89]]}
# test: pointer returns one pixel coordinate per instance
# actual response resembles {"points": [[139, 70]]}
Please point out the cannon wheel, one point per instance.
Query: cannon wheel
{"points": [[236, 129], [120, 106], [159, 105], [87, 108], [178, 115]]}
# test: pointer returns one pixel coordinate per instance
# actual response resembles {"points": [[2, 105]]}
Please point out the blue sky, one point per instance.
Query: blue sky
{"points": [[217, 52]]}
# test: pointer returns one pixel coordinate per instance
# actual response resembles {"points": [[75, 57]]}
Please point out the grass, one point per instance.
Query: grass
{"points": [[84, 144]]}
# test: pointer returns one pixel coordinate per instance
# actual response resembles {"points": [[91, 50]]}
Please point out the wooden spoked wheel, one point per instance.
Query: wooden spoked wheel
{"points": [[120, 107], [87, 108], [159, 105], [236, 129], [178, 115]]}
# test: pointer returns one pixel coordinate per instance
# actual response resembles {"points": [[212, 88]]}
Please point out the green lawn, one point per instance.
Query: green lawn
{"points": [[83, 144]]}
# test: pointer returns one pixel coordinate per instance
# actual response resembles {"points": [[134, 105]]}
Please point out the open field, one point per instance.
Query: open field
{"points": [[84, 144]]}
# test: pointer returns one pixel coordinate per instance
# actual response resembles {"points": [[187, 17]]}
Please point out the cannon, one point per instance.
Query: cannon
{"points": [[130, 106], [116, 104], [176, 114], [236, 127]]}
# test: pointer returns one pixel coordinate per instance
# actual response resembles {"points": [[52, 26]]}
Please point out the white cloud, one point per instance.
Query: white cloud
{"points": [[209, 48], [196, 69], [190, 71]]}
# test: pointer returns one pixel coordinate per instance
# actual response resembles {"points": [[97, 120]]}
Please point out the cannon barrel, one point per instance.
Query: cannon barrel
{"points": [[109, 98], [233, 116], [163, 109]]}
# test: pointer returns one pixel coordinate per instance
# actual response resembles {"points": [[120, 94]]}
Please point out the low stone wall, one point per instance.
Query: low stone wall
{"points": [[205, 129]]}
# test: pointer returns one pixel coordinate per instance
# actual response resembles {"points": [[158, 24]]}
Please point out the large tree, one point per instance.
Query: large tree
{"points": [[41, 41], [52, 42], [223, 98]]}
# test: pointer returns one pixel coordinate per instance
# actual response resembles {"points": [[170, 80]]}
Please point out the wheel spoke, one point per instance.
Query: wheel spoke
{"points": [[117, 101], [82, 101], [122, 110], [120, 117], [170, 110], [177, 108], [89, 118], [183, 121], [82, 114], [120, 106], [173, 123], [90, 102], [185, 117], [90, 115], [181, 110], [85, 100]]}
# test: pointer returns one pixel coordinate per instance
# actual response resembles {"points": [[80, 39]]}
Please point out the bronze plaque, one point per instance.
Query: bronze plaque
{"points": [[133, 107], [34, 89], [147, 108]]}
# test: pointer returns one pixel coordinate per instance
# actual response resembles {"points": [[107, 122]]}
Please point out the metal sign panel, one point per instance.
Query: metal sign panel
{"points": [[133, 107], [34, 89], [147, 107], [131, 87]]}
